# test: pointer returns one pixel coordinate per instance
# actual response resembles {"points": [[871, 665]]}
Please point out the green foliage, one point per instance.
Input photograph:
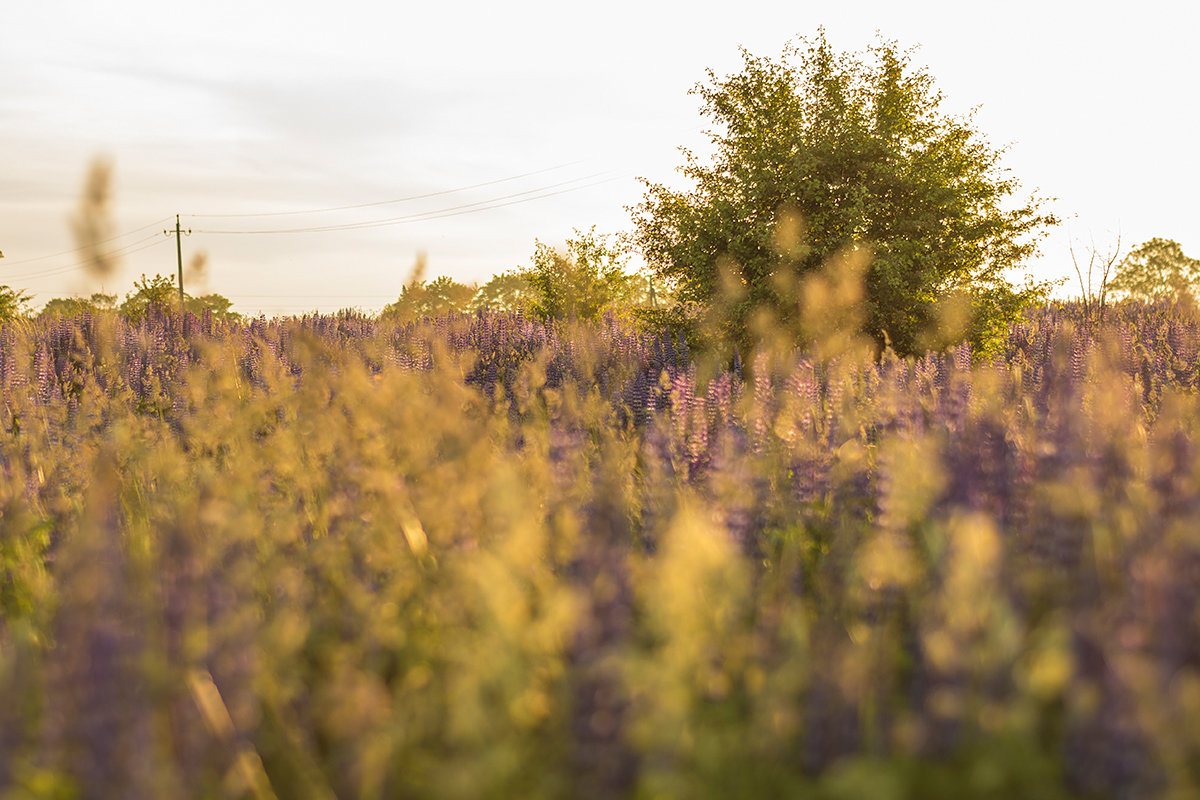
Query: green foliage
{"points": [[157, 292], [582, 281], [820, 153], [74, 306], [102, 301], [436, 298], [1157, 268], [991, 311], [66, 307], [508, 291], [217, 304], [13, 303]]}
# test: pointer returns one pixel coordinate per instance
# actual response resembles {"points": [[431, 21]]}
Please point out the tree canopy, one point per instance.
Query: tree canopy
{"points": [[218, 305], [1157, 268], [74, 306], [160, 291], [821, 153], [581, 281], [508, 291], [438, 297], [13, 303]]}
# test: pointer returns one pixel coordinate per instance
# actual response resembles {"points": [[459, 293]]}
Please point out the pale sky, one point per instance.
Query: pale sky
{"points": [[240, 108]]}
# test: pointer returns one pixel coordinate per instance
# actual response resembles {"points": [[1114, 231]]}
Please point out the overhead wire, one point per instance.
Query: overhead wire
{"points": [[529, 195], [517, 202], [538, 193], [74, 250], [154, 240], [408, 199], [133, 247], [349, 226]]}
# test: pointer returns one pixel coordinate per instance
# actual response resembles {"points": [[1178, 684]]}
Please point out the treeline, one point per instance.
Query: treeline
{"points": [[147, 293], [586, 278], [581, 281]]}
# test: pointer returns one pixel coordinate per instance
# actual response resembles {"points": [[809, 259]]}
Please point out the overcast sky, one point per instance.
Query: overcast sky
{"points": [[225, 108]]}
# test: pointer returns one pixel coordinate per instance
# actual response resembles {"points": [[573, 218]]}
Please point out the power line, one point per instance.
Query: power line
{"points": [[145, 243], [480, 205], [75, 250], [129, 249], [466, 208], [514, 202], [442, 213], [410, 198]]}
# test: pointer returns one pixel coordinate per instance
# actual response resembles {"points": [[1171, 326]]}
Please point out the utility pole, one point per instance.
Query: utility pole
{"points": [[179, 254]]}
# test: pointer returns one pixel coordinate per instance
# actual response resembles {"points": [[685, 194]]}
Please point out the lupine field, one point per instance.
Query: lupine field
{"points": [[483, 557]]}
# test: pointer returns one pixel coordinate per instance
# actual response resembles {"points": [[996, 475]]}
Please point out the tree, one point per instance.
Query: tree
{"points": [[217, 304], [74, 306], [65, 307], [437, 298], [1157, 268], [582, 281], [822, 153], [13, 303], [157, 291], [508, 291], [1099, 266]]}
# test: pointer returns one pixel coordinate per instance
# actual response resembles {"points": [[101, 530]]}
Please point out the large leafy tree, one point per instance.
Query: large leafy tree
{"points": [[821, 154], [1157, 268]]}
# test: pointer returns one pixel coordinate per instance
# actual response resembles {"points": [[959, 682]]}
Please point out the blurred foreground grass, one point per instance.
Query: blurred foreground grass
{"points": [[483, 557]]}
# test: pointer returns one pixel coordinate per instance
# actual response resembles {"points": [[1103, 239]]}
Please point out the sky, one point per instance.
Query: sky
{"points": [[467, 131]]}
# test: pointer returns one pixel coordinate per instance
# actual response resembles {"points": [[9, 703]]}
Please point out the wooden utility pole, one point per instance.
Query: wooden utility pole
{"points": [[179, 254]]}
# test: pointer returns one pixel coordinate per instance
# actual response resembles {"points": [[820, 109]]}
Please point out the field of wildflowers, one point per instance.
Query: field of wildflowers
{"points": [[482, 556]]}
